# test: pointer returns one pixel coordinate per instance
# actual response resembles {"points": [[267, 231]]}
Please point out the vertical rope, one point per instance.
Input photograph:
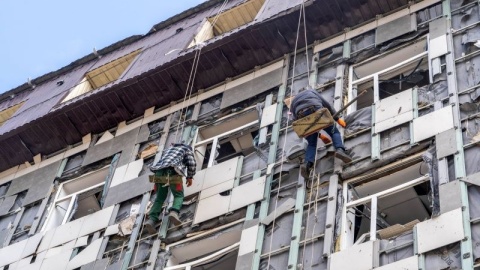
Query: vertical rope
{"points": [[193, 74], [285, 139]]}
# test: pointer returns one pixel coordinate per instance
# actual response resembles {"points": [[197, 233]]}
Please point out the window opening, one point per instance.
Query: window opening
{"points": [[102, 75], [228, 20], [231, 136], [8, 113], [382, 79], [76, 198], [376, 208]]}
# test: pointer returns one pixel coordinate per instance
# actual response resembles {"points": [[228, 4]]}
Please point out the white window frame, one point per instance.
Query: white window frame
{"points": [[70, 198], [347, 235]]}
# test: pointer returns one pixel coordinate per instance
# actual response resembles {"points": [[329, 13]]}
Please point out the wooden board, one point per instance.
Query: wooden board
{"points": [[312, 123]]}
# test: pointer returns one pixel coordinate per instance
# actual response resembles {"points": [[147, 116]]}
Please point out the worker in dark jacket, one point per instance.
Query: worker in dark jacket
{"points": [[306, 103], [177, 162]]}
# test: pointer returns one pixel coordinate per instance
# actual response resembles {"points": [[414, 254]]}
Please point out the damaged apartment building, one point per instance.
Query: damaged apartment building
{"points": [[76, 144]]}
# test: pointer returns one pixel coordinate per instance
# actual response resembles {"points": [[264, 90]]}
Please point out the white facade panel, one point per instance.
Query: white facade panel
{"points": [[394, 121], [432, 124], [405, 264], [248, 193], [96, 221], [440, 231], [248, 240], [358, 257], [220, 173], [197, 183], [393, 106], [438, 46], [217, 189], [211, 207], [268, 115]]}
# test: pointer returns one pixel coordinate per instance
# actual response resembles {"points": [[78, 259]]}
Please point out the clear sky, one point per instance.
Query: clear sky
{"points": [[40, 36]]}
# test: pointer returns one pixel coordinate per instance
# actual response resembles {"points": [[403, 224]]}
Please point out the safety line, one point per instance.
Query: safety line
{"points": [[285, 139]]}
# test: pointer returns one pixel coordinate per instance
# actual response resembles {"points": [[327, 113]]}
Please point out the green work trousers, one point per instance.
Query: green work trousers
{"points": [[162, 193]]}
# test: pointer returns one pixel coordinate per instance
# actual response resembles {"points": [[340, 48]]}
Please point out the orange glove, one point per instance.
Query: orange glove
{"points": [[189, 181], [342, 122], [325, 139]]}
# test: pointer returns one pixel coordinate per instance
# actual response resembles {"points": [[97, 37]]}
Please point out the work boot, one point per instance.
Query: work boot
{"points": [[305, 170], [149, 225], [174, 218], [340, 154]]}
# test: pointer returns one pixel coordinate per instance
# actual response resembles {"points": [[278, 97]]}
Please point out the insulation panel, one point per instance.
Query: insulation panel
{"points": [[449, 225], [361, 254], [432, 124]]}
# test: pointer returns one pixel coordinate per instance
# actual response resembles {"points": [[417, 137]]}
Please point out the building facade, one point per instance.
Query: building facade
{"points": [[76, 144]]}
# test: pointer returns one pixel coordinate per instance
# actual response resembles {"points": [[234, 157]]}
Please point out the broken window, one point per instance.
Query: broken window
{"points": [[7, 113], [216, 250], [102, 75], [388, 206], [228, 20], [230, 136], [76, 198], [388, 74]]}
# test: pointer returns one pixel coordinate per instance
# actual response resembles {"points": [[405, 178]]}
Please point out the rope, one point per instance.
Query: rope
{"points": [[193, 74], [285, 139]]}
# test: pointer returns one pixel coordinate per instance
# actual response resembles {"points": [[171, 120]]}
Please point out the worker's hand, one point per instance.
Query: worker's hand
{"points": [[325, 139], [189, 181], [342, 122]]}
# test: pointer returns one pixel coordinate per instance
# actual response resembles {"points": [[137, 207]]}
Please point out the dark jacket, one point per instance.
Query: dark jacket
{"points": [[180, 157], [308, 98]]}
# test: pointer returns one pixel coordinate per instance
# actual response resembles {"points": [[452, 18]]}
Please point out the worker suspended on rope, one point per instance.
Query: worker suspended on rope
{"points": [[177, 162], [308, 102]]}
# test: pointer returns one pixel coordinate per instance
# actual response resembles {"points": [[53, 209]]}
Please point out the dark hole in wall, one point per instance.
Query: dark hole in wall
{"points": [[79, 171]]}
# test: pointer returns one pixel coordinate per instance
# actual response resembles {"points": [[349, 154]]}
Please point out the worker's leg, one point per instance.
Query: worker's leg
{"points": [[333, 132], [338, 143], [311, 147], [162, 193], [306, 168], [177, 192]]}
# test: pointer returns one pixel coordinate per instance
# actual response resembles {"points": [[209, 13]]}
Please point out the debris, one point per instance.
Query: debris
{"points": [[148, 152], [126, 225]]}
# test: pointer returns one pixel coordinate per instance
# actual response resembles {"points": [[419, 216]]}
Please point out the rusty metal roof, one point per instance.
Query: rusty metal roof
{"points": [[160, 73]]}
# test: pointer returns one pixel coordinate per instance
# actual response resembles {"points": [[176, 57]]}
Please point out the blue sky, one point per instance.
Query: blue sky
{"points": [[37, 37]]}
